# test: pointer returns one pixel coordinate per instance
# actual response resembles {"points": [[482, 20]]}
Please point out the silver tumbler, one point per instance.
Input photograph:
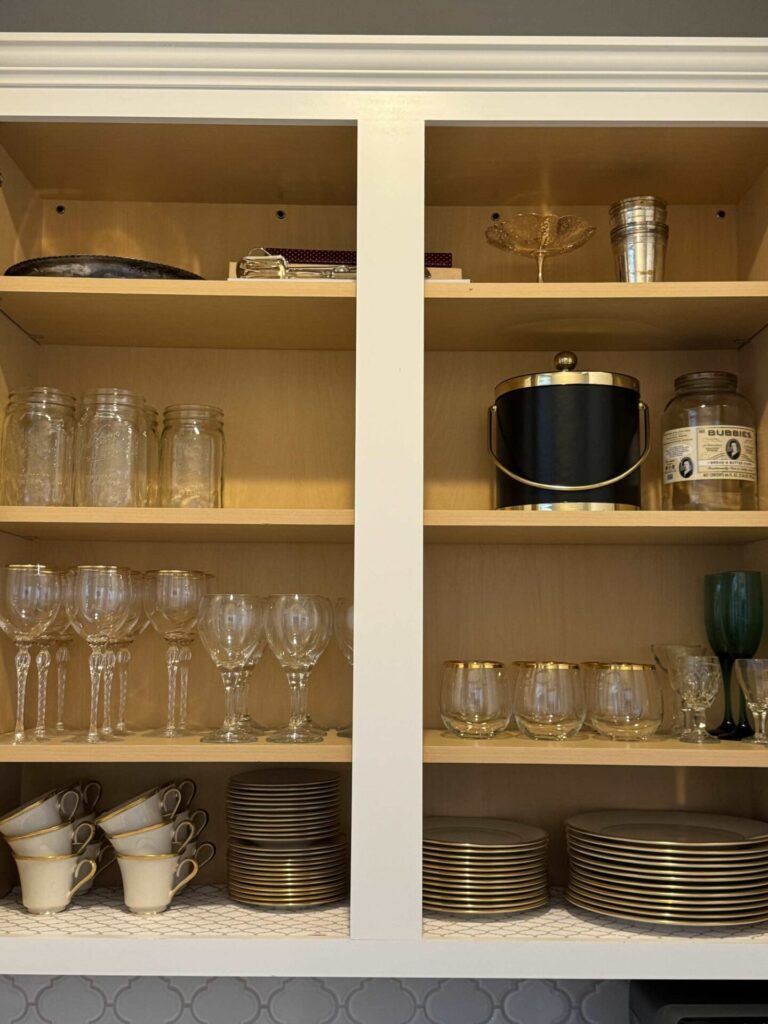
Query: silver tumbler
{"points": [[639, 234]]}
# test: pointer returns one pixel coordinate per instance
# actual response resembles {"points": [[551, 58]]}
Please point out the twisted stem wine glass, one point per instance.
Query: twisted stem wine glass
{"points": [[98, 604], [59, 638], [734, 620], [344, 629], [231, 626], [30, 597], [171, 602], [135, 624], [298, 628]]}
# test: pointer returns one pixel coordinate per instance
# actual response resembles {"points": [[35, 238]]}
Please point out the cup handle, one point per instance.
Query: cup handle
{"points": [[171, 791], [201, 816], [198, 857], [66, 797], [186, 786], [109, 860], [81, 845], [185, 881], [185, 825], [86, 878], [89, 801]]}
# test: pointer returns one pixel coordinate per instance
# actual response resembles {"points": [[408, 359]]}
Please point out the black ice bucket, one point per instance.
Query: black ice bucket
{"points": [[568, 439]]}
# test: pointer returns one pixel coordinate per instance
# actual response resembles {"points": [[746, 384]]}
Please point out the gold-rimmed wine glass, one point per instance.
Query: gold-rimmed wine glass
{"points": [[30, 597], [97, 598], [344, 630]]}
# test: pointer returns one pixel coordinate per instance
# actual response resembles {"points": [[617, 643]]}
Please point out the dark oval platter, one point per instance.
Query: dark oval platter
{"points": [[98, 266]]}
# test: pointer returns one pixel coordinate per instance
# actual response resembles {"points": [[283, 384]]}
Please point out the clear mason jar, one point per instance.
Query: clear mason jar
{"points": [[192, 457], [151, 454], [110, 460], [38, 447], [709, 452]]}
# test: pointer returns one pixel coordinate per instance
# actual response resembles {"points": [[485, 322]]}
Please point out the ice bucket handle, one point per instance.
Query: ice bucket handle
{"points": [[564, 487]]}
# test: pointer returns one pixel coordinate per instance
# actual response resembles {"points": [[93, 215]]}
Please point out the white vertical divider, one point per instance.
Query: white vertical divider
{"points": [[389, 483]]}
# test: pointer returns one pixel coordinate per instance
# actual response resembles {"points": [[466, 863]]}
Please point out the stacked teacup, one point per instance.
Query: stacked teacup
{"points": [[639, 233], [154, 836], [50, 845]]}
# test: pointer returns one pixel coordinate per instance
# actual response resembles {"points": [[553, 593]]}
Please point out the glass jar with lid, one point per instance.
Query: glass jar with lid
{"points": [[38, 447], [110, 457], [709, 454], [192, 457]]}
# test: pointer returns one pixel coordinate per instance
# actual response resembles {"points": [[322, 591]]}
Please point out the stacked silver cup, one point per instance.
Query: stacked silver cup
{"points": [[639, 233]]}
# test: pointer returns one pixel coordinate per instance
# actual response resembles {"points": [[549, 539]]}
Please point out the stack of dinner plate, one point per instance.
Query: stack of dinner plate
{"points": [[669, 867], [484, 866], [285, 844]]}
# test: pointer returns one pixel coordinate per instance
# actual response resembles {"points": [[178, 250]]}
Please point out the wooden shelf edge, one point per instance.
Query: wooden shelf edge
{"points": [[145, 749], [596, 290], [586, 749], [647, 527], [192, 289]]}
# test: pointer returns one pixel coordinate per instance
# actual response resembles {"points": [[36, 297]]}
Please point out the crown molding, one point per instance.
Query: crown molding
{"points": [[382, 63]]}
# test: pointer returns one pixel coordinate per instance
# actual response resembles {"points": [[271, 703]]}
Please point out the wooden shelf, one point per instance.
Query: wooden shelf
{"points": [[467, 526], [318, 315], [594, 316], [185, 525], [587, 749], [186, 750]]}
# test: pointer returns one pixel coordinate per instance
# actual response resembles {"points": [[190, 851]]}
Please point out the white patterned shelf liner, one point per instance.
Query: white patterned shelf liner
{"points": [[559, 921], [202, 912]]}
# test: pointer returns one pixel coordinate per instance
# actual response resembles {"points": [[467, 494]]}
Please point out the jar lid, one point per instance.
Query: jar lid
{"points": [[42, 396], [193, 412], [565, 372], [113, 397], [715, 380]]}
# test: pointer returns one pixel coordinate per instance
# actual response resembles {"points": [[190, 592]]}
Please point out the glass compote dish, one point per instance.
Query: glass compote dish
{"points": [[298, 629], [171, 602], [98, 604], [231, 627], [539, 236], [30, 597]]}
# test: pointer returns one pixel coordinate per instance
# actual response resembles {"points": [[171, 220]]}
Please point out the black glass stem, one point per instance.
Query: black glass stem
{"points": [[733, 604]]}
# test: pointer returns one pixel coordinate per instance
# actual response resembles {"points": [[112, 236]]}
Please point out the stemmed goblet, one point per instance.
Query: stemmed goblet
{"points": [[700, 679], [59, 636], [231, 627], [734, 620], [344, 628], [171, 602], [752, 677], [98, 603], [298, 628], [667, 657], [30, 597]]}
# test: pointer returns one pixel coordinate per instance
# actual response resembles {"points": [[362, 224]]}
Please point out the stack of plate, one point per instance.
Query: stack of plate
{"points": [[669, 867], [483, 866], [285, 848]]}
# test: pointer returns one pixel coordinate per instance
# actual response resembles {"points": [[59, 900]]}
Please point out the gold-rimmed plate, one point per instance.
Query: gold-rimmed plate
{"points": [[480, 833], [442, 907], [702, 880], [678, 858], [654, 902], [676, 892], [653, 869], [287, 904], [671, 920], [449, 856], [683, 829]]}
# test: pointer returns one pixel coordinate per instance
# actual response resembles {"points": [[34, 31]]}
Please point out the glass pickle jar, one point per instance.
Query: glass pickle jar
{"points": [[38, 447], [709, 453], [192, 457]]}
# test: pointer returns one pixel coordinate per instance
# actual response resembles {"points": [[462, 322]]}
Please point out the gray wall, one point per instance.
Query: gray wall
{"points": [[33, 1000], [441, 17]]}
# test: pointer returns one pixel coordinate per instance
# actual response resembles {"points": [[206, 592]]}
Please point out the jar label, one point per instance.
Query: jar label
{"points": [[709, 453]]}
